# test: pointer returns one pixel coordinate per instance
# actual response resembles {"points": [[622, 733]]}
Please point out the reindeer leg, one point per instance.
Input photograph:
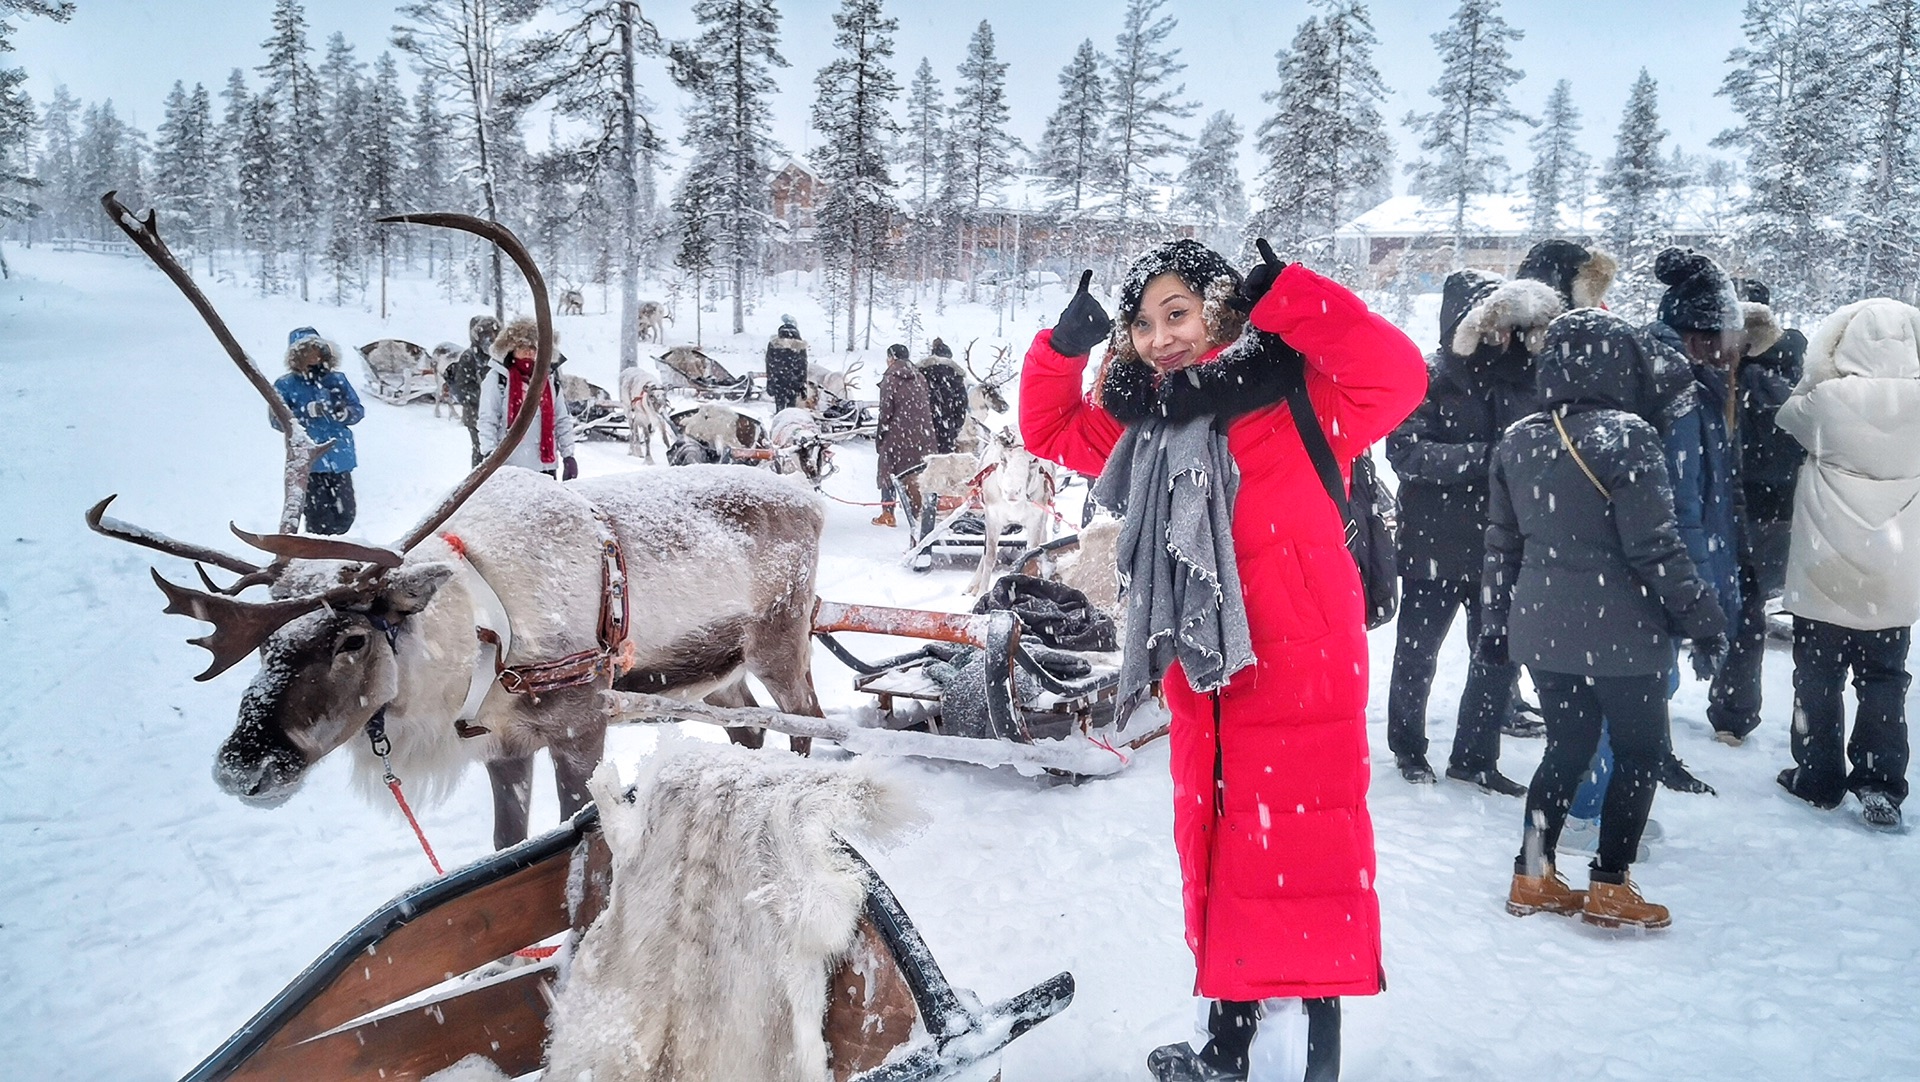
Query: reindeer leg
{"points": [[512, 790], [575, 758], [782, 657], [737, 694]]}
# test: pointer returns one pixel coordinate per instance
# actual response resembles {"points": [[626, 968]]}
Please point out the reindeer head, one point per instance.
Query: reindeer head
{"points": [[327, 636], [984, 393]]}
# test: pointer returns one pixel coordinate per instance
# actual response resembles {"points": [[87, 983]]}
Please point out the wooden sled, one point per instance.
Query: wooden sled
{"points": [[417, 987]]}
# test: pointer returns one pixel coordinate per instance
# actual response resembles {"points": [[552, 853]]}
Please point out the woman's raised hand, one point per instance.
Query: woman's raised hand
{"points": [[1083, 324], [1261, 278]]}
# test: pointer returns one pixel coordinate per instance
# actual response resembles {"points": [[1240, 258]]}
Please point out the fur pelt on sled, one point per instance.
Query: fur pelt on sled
{"points": [[730, 905]]}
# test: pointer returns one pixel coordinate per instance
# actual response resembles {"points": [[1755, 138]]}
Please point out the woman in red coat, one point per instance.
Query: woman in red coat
{"points": [[1270, 765]]}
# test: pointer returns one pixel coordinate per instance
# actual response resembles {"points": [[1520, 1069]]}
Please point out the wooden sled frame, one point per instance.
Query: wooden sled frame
{"points": [[357, 1011]]}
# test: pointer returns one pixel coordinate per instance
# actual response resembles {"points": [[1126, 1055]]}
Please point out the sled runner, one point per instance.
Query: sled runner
{"points": [[399, 372], [416, 987]]}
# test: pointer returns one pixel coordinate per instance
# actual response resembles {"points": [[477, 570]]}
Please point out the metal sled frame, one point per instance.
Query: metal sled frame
{"points": [[357, 1011], [403, 387]]}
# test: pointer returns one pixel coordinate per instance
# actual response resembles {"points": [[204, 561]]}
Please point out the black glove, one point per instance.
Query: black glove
{"points": [[569, 469], [1083, 325], [1492, 650], [1258, 280], [1708, 655]]}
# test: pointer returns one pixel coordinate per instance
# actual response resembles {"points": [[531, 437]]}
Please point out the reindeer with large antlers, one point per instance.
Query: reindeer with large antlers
{"points": [[984, 397], [488, 630]]}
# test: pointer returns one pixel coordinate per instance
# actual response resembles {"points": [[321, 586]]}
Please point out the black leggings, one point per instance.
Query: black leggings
{"points": [[1231, 1025], [1635, 711]]}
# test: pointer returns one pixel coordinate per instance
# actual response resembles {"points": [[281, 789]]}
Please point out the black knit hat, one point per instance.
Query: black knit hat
{"points": [[939, 348], [1458, 294], [1753, 289], [896, 352], [1196, 264], [1699, 295]]}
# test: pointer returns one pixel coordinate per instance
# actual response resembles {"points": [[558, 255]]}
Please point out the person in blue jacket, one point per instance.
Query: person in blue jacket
{"points": [[325, 405]]}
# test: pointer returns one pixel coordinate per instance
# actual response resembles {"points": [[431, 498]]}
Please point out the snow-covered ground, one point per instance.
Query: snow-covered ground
{"points": [[145, 915]]}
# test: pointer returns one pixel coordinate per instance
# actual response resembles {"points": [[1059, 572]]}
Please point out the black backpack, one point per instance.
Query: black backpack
{"points": [[1368, 510]]}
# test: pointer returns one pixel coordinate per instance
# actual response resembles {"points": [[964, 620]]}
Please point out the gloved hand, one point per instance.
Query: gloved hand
{"points": [[1707, 655], [569, 469], [1258, 280], [316, 408], [1083, 324], [1492, 650]]}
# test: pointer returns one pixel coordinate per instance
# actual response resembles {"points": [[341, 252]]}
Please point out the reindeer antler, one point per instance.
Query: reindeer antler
{"points": [[239, 627], [159, 542], [543, 361]]}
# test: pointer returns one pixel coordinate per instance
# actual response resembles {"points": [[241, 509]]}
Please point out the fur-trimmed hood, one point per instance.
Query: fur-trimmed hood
{"points": [[329, 348], [1519, 309], [1581, 275], [1763, 327], [518, 333], [788, 345]]}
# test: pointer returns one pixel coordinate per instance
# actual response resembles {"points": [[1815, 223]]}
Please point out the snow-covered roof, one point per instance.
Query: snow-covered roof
{"points": [[1694, 210]]}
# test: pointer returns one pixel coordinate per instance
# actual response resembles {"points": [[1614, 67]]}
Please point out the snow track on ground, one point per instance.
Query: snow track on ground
{"points": [[145, 915]]}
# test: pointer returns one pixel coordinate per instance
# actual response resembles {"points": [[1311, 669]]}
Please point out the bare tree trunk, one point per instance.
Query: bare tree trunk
{"points": [[383, 272], [629, 200]]}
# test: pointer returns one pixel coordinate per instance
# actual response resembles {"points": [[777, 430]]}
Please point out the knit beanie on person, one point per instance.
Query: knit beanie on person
{"points": [[1699, 295], [939, 348], [1753, 289], [1580, 274], [1204, 271], [896, 352]]}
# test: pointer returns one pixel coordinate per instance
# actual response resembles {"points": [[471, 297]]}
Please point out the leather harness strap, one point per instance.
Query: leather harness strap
{"points": [[609, 659]]}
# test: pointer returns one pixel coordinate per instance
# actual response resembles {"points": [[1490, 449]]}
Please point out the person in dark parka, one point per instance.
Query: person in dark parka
{"points": [[946, 396], [1480, 380], [905, 437], [1586, 581], [1769, 461], [786, 365], [464, 374]]}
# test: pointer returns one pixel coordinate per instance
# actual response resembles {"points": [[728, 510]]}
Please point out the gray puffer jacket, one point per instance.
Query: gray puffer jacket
{"points": [[1580, 581]]}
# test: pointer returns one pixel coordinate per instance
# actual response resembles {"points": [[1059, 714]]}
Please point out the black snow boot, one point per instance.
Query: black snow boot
{"points": [[1230, 1028], [1878, 810], [1180, 1063], [1489, 780], [1675, 776], [1414, 768]]}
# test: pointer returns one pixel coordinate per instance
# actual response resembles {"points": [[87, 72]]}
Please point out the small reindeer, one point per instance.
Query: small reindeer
{"points": [[572, 303], [1017, 488], [444, 355], [646, 405], [652, 321], [984, 397]]}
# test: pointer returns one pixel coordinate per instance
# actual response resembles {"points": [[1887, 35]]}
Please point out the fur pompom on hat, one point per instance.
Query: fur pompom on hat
{"points": [[1204, 271], [521, 333], [1581, 275], [1699, 295]]}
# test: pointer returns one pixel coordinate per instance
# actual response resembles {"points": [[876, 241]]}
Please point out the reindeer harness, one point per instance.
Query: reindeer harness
{"points": [[612, 655]]}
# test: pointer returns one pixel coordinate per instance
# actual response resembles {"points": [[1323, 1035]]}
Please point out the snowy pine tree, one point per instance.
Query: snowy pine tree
{"points": [[589, 67], [1885, 215], [1463, 134], [852, 111], [1558, 178], [925, 140], [17, 117], [1142, 106], [696, 213], [186, 169], [978, 126], [458, 43], [259, 192], [343, 98], [1634, 177], [430, 182], [382, 134], [293, 88], [107, 157], [1208, 191], [57, 169], [1073, 152], [1325, 150], [229, 137], [728, 72], [1789, 86]]}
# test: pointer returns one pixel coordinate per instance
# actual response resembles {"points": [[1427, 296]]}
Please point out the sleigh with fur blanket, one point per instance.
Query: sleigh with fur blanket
{"points": [[661, 970], [399, 372]]}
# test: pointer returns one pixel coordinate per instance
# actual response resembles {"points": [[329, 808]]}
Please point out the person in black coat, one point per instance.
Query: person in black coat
{"points": [[946, 395], [1769, 462], [1480, 380], [464, 375], [1586, 582], [786, 365]]}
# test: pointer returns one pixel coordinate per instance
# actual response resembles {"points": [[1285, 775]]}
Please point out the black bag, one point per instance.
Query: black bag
{"points": [[1368, 510]]}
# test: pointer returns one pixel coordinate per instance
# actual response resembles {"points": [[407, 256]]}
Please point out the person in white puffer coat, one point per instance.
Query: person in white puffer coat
{"points": [[1853, 571]]}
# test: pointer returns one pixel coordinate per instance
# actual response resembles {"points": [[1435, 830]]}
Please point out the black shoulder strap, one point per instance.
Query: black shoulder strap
{"points": [[1315, 441]]}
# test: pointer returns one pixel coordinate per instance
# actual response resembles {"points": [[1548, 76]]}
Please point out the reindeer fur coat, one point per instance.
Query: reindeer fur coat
{"points": [[731, 903]]}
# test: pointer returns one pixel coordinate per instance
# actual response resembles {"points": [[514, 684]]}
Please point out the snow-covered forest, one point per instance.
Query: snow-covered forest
{"points": [[543, 116]]}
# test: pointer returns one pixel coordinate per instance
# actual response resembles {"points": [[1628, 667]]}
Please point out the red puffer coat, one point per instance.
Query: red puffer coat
{"points": [[1279, 888]]}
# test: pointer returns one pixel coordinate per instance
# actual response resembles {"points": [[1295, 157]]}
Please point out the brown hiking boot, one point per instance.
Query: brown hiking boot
{"points": [[884, 518], [1619, 905], [1547, 893]]}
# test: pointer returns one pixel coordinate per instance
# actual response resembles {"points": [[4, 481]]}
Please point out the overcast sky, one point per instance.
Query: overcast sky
{"points": [[132, 50]]}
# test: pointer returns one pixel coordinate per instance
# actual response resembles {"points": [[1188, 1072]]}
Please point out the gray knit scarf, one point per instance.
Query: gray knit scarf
{"points": [[1173, 484]]}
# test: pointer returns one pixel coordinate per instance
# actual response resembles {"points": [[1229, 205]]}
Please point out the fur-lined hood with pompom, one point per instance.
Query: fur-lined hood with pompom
{"points": [[518, 334]]}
